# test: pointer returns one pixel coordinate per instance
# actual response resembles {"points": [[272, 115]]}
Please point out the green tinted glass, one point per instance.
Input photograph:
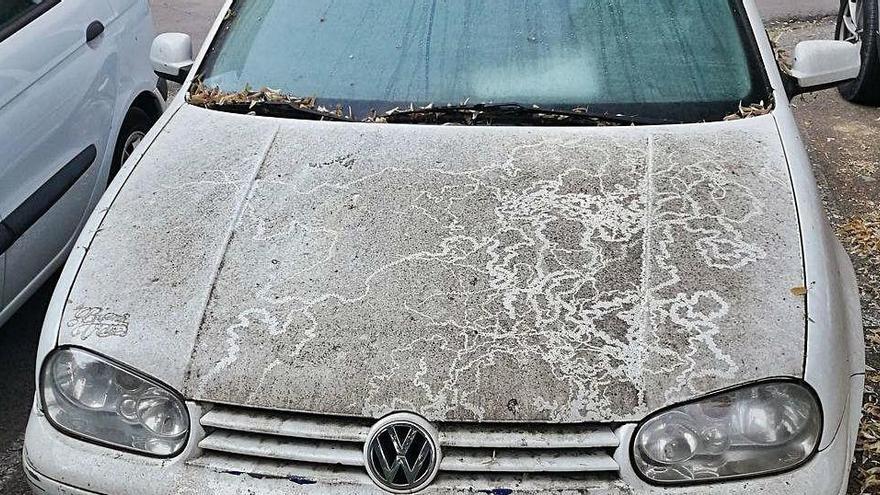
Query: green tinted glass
{"points": [[562, 53]]}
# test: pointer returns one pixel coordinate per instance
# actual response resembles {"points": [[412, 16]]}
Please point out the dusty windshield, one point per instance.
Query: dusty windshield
{"points": [[667, 60]]}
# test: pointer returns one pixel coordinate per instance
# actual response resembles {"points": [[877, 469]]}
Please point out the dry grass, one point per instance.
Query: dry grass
{"points": [[753, 110], [867, 458], [208, 97], [862, 236]]}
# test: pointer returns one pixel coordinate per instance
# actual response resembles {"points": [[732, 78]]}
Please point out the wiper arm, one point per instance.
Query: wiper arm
{"points": [[510, 114], [280, 109], [266, 101]]}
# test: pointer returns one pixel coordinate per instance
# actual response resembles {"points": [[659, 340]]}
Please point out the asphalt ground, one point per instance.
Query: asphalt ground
{"points": [[844, 144]]}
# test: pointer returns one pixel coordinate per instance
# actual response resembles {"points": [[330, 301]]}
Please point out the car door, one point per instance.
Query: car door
{"points": [[58, 85], [120, 6]]}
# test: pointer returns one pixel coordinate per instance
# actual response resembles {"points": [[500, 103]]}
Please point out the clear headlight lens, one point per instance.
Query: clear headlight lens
{"points": [[760, 429], [93, 398]]}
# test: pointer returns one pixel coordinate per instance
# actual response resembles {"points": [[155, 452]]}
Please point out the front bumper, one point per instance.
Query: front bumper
{"points": [[57, 464]]}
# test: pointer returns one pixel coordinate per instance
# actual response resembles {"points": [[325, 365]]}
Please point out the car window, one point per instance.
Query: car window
{"points": [[688, 58], [15, 14]]}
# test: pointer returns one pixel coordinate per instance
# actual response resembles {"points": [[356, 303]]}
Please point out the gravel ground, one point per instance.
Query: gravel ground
{"points": [[796, 9], [844, 143]]}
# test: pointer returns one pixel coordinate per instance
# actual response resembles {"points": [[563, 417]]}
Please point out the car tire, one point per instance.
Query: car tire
{"points": [[135, 126], [865, 89]]}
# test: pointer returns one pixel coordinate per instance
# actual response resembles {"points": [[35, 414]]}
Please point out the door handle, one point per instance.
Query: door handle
{"points": [[94, 30]]}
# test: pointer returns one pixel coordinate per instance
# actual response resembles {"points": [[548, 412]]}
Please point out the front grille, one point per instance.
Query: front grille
{"points": [[331, 448]]}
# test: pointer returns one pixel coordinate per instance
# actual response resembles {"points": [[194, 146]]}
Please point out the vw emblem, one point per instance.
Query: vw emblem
{"points": [[402, 454]]}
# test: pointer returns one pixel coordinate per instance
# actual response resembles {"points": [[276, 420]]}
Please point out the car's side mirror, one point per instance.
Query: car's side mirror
{"points": [[822, 64], [172, 56]]}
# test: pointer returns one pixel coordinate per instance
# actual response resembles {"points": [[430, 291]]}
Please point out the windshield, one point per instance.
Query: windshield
{"points": [[679, 60]]}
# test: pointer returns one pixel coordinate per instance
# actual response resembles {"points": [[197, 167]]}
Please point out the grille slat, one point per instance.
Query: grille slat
{"points": [[526, 461], [457, 482], [289, 449], [469, 450], [298, 426], [527, 437]]}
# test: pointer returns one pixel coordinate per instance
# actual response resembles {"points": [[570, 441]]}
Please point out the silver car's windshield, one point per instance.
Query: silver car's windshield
{"points": [[679, 59]]}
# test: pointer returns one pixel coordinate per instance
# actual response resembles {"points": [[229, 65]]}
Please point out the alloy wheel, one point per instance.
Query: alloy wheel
{"points": [[131, 142], [851, 27]]}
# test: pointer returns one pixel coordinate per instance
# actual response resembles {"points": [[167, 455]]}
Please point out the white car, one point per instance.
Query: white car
{"points": [[461, 247], [77, 94]]}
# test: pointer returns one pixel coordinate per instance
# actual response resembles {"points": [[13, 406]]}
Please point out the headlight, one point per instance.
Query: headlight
{"points": [[760, 429], [93, 398]]}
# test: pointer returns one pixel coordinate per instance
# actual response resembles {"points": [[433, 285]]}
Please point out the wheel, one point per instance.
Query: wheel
{"points": [[135, 126], [858, 21]]}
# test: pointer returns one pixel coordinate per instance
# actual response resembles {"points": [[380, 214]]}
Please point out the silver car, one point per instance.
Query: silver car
{"points": [[461, 247]]}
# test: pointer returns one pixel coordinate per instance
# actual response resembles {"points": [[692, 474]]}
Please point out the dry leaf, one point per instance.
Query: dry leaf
{"points": [[753, 110], [799, 291]]}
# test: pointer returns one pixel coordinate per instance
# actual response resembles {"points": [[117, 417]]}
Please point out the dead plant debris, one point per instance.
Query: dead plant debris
{"points": [[205, 96], [863, 235], [213, 97], [782, 55], [866, 465], [753, 110]]}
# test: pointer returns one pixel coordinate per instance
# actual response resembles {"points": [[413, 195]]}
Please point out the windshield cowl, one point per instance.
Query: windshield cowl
{"points": [[508, 114], [275, 103]]}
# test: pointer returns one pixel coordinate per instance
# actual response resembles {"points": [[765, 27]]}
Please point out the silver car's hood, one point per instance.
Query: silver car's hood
{"points": [[493, 274]]}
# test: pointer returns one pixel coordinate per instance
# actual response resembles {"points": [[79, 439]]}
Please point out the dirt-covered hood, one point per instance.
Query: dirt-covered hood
{"points": [[493, 274]]}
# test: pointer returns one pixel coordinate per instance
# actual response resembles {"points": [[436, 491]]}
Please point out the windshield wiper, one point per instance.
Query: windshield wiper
{"points": [[511, 114], [265, 101], [279, 109]]}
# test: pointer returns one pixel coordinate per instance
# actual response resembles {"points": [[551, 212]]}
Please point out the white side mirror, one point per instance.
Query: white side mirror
{"points": [[172, 56], [819, 64]]}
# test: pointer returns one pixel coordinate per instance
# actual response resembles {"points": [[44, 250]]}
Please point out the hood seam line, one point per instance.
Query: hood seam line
{"points": [[647, 251], [221, 254], [802, 239]]}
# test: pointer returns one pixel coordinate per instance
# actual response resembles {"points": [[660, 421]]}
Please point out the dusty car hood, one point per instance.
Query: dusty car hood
{"points": [[505, 274]]}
